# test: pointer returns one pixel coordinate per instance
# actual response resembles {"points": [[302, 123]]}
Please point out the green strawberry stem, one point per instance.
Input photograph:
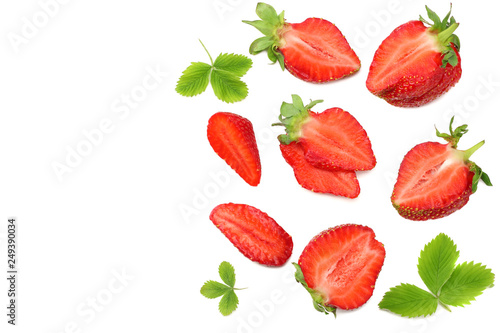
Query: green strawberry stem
{"points": [[445, 306], [443, 36], [468, 153], [211, 60]]}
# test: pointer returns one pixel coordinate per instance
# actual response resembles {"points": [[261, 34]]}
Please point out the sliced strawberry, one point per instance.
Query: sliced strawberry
{"points": [[416, 64], [436, 179], [254, 233], [232, 137], [340, 266], [314, 50], [331, 139], [337, 182]]}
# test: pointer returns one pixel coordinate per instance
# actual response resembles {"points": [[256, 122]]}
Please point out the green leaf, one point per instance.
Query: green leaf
{"points": [[434, 17], [213, 289], [409, 300], [437, 262], [468, 281], [237, 64], [194, 80], [288, 110], [267, 13], [313, 103], [226, 273], [228, 303], [227, 86], [297, 102], [260, 44], [265, 27]]}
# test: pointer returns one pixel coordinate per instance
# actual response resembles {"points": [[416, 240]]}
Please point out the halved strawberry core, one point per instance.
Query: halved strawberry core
{"points": [[410, 54], [343, 264], [431, 175], [334, 138]]}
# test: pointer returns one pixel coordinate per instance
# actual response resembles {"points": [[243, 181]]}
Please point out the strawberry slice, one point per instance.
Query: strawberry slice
{"points": [[436, 179], [254, 233], [232, 137], [314, 50], [331, 139], [337, 182], [416, 63], [339, 267]]}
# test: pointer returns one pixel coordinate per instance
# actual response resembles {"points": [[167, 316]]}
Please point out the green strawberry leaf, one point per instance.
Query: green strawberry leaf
{"points": [[228, 303], [468, 281], [437, 262], [227, 86], [213, 289], [409, 300], [224, 75], [194, 79], [226, 273], [455, 286], [235, 63]]}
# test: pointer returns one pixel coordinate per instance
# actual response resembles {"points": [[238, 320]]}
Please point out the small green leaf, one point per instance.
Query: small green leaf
{"points": [[486, 179], [226, 273], [437, 262], [228, 303], [213, 289], [235, 63], [312, 104], [272, 55], [409, 300], [194, 79], [288, 110], [267, 13], [467, 281], [260, 44], [280, 57], [227, 86], [297, 102], [433, 16], [265, 27]]}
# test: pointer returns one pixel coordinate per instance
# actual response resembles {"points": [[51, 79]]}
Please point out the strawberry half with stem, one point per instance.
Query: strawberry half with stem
{"points": [[254, 233], [418, 62], [336, 182], [232, 137], [314, 50], [436, 179], [331, 139], [339, 267]]}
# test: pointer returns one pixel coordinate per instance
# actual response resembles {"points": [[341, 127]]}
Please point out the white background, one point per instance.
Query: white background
{"points": [[137, 205]]}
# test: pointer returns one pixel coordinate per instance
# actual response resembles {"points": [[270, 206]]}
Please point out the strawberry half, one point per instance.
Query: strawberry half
{"points": [[232, 137], [314, 50], [254, 233], [437, 179], [339, 267], [416, 63], [337, 182], [331, 139]]}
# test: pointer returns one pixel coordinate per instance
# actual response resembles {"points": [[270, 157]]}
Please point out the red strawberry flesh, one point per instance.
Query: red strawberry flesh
{"points": [[334, 138], [433, 178], [337, 182], [254, 233], [232, 137], [315, 50], [343, 264]]}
